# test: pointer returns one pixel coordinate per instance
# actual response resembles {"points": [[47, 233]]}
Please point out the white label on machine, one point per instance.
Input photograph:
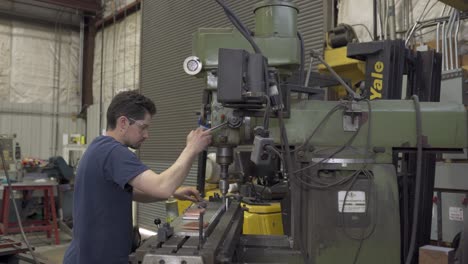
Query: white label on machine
{"points": [[456, 213], [355, 202]]}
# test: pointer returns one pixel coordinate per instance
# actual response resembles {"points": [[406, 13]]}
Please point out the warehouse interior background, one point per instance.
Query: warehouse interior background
{"points": [[61, 63]]}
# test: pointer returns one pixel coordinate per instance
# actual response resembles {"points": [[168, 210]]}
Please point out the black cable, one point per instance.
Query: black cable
{"points": [[315, 54], [371, 190], [239, 25], [301, 67], [327, 116], [302, 63], [417, 199], [288, 165], [247, 33], [274, 150], [350, 140], [353, 177], [266, 115], [340, 149], [12, 198]]}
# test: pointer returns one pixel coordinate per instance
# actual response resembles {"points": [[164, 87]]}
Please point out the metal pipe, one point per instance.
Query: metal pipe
{"points": [[407, 15], [416, 23], [124, 22], [385, 27], [31, 19], [49, 7], [444, 47], [306, 84], [379, 11], [102, 75], [457, 65], [135, 52], [433, 22], [129, 9], [391, 19], [113, 48], [374, 6], [56, 86], [437, 37], [52, 114], [442, 50], [408, 37], [450, 38], [80, 67]]}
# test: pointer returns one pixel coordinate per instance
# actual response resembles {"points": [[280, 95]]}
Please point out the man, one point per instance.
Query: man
{"points": [[110, 176]]}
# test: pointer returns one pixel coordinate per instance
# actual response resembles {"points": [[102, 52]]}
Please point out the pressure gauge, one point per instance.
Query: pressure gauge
{"points": [[192, 65]]}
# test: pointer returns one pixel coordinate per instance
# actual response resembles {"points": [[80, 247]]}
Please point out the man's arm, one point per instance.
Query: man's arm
{"points": [[163, 185], [141, 197], [183, 193]]}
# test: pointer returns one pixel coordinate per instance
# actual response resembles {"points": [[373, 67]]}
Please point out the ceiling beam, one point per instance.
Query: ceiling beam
{"points": [[119, 14], [92, 6]]}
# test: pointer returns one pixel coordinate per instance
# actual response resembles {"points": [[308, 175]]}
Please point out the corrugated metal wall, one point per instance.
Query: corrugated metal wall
{"points": [[34, 126], [167, 29]]}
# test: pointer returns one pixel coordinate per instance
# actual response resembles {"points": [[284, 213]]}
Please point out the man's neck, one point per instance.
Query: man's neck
{"points": [[114, 134]]}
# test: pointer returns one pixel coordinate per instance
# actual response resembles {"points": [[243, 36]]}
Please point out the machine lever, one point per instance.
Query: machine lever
{"points": [[217, 126]]}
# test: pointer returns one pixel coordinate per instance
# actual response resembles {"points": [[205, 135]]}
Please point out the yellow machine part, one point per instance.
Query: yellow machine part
{"points": [[258, 219], [347, 68], [210, 190], [263, 219]]}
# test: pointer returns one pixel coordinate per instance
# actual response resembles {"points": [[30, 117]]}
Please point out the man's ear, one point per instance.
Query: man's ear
{"points": [[122, 122]]}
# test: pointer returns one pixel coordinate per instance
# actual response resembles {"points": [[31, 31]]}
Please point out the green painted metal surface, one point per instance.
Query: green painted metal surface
{"points": [[275, 18], [393, 124], [275, 34], [329, 242], [280, 51]]}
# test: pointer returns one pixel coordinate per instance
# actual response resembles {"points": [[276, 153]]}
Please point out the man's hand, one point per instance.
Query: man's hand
{"points": [[198, 140], [188, 193]]}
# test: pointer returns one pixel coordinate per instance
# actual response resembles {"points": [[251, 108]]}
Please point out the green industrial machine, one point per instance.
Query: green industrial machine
{"points": [[333, 161]]}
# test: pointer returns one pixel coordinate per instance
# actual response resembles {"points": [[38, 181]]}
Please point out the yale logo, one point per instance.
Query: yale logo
{"points": [[377, 86]]}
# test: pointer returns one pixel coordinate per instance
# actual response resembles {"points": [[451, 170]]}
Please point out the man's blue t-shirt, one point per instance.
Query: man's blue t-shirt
{"points": [[102, 206]]}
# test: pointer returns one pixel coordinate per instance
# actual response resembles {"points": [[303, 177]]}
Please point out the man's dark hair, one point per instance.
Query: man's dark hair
{"points": [[130, 104]]}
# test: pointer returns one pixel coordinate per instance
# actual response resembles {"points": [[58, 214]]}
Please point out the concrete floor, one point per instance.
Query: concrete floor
{"points": [[45, 248]]}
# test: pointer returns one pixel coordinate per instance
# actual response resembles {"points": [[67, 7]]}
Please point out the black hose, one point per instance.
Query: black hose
{"points": [[234, 19], [327, 116], [335, 75], [239, 25], [289, 165], [301, 67], [417, 199]]}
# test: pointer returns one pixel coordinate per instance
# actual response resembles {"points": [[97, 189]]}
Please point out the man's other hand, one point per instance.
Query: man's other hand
{"points": [[198, 140], [188, 193]]}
